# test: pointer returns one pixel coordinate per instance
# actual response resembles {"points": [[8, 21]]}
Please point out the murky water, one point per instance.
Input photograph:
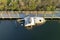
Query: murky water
{"points": [[11, 30]]}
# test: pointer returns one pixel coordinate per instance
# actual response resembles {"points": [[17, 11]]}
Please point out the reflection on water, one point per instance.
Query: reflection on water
{"points": [[11, 30]]}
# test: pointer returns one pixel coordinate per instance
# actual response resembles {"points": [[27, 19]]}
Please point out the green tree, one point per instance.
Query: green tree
{"points": [[12, 5]]}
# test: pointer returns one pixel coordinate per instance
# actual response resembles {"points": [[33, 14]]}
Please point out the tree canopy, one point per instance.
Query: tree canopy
{"points": [[27, 5]]}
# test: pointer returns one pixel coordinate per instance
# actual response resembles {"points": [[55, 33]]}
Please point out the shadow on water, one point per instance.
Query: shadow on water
{"points": [[11, 30]]}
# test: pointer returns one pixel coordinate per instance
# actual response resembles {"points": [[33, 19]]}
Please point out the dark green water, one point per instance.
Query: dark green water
{"points": [[11, 30]]}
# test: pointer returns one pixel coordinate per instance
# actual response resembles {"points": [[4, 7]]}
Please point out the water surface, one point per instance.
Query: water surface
{"points": [[11, 30]]}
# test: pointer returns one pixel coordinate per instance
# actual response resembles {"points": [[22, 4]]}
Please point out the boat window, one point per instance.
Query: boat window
{"points": [[27, 20]]}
